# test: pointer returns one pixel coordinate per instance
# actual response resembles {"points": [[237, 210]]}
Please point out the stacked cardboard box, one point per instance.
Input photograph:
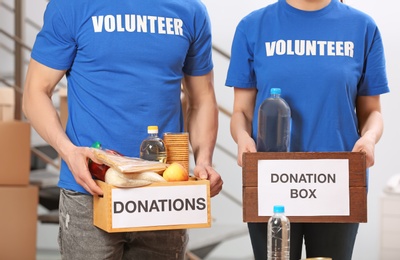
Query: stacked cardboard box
{"points": [[7, 97], [18, 199]]}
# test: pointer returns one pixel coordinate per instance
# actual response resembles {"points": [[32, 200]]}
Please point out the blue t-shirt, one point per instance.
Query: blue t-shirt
{"points": [[124, 61], [322, 60]]}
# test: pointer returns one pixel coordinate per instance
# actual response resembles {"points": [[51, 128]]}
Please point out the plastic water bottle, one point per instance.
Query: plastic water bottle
{"points": [[278, 245], [274, 124], [153, 147]]}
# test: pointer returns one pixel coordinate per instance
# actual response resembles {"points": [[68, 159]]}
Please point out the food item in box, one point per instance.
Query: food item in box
{"points": [[99, 170], [125, 164], [176, 172], [119, 179]]}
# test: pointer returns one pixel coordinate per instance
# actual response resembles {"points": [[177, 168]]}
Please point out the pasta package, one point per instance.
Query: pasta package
{"points": [[126, 164]]}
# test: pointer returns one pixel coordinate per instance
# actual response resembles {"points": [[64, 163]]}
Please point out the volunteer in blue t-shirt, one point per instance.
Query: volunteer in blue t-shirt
{"points": [[124, 62], [328, 59]]}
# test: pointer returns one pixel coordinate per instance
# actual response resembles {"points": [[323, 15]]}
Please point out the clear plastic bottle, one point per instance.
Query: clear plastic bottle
{"points": [[278, 245], [274, 124], [153, 147]]}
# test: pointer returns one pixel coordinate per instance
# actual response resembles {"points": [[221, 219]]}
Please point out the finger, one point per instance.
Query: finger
{"points": [[215, 190], [239, 161], [87, 182], [202, 172], [370, 161], [93, 188], [89, 154], [217, 183]]}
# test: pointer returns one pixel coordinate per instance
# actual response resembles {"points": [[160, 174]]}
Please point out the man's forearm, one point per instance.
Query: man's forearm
{"points": [[203, 129], [38, 106]]}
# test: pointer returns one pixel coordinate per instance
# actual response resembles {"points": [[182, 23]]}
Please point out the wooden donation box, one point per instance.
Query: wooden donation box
{"points": [[158, 206], [323, 187]]}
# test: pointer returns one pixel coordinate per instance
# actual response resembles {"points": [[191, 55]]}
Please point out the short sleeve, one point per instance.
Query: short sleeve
{"points": [[241, 67], [374, 80], [55, 46], [199, 57]]}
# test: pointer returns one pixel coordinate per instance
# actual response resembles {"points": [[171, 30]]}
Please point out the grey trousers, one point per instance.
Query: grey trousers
{"points": [[79, 239]]}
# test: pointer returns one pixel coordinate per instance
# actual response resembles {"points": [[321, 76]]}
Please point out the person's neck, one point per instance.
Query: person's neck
{"points": [[308, 5]]}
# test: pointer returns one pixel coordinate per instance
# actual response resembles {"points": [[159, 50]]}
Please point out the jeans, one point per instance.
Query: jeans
{"points": [[78, 238], [334, 240]]}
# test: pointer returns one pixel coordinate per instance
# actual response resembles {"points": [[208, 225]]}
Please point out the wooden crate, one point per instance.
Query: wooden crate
{"points": [[357, 185], [170, 205]]}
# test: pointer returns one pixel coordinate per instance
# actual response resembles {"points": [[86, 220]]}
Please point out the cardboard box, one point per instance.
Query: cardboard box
{"points": [[310, 189], [159, 206], [7, 104], [15, 153], [18, 222]]}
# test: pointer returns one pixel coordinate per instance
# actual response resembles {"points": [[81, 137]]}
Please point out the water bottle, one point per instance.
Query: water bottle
{"points": [[274, 124], [153, 147], [278, 245]]}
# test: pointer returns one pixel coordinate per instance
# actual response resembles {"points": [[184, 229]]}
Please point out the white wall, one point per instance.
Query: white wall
{"points": [[225, 14]]}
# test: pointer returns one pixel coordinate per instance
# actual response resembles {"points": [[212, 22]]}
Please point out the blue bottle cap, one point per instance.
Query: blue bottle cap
{"points": [[275, 91], [279, 209]]}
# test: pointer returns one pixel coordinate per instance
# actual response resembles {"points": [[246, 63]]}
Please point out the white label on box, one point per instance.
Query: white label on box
{"points": [[159, 206], [317, 187]]}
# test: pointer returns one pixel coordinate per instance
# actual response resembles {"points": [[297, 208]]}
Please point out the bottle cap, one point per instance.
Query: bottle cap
{"points": [[97, 145], [279, 209], [275, 91], [152, 129]]}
